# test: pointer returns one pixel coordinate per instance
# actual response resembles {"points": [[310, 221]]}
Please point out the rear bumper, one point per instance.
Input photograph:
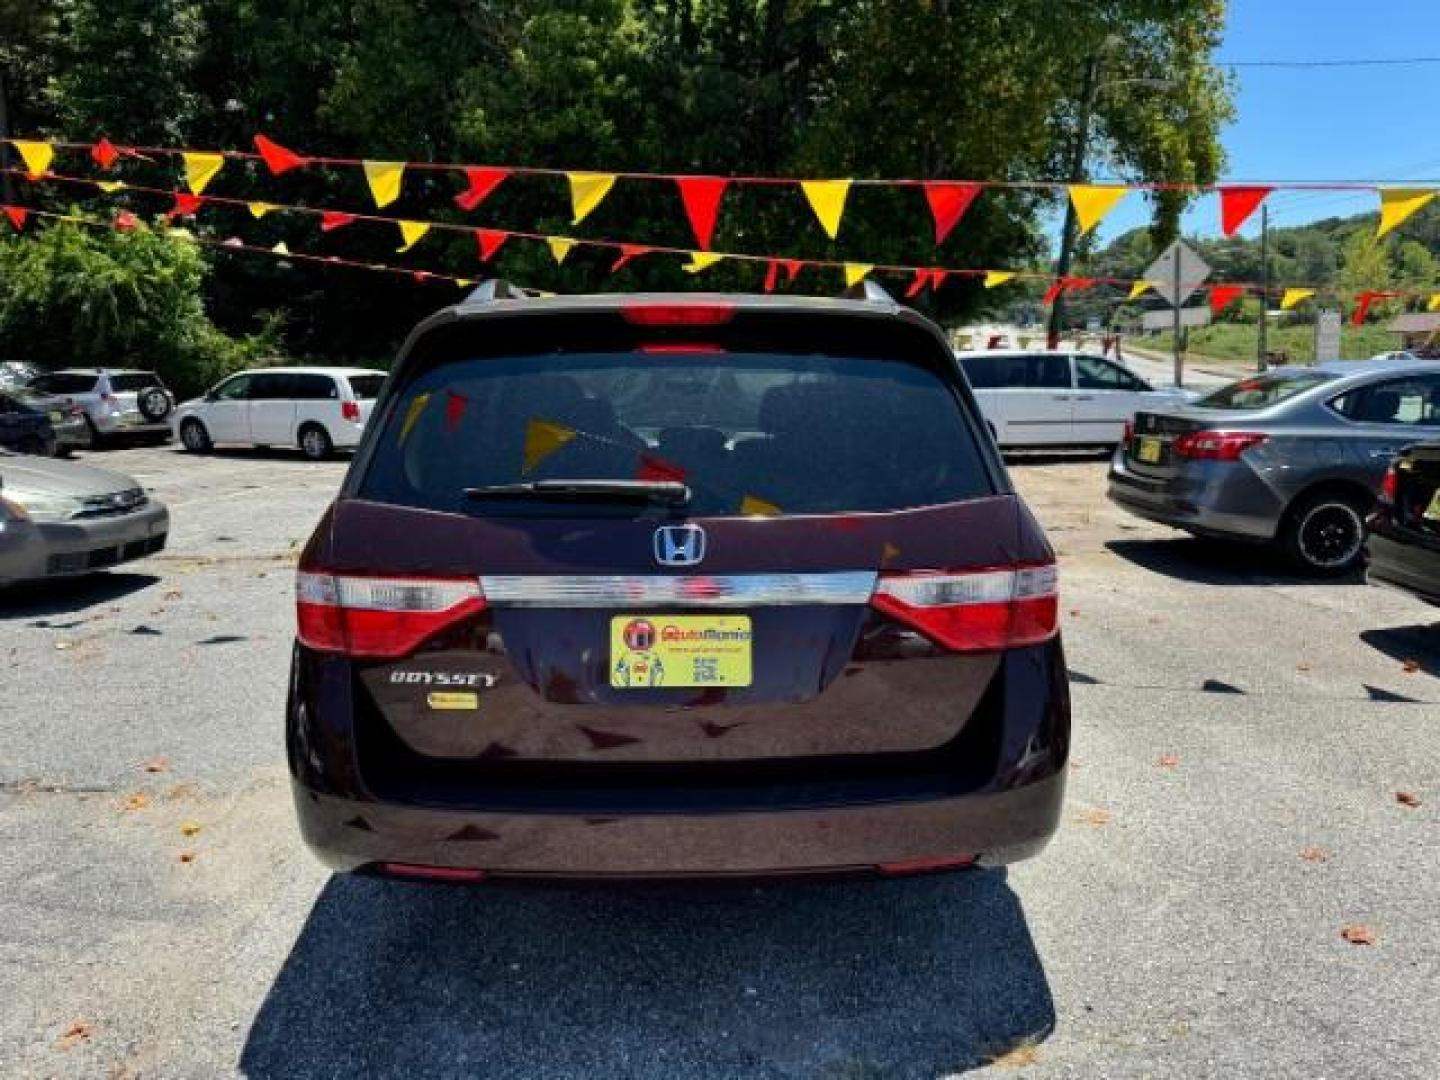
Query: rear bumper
{"points": [[131, 422], [998, 827], [1209, 499]]}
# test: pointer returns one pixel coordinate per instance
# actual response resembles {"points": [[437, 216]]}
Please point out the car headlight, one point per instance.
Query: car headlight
{"points": [[46, 506]]}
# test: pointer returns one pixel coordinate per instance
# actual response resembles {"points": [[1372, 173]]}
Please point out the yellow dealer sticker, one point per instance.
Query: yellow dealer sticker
{"points": [[660, 651], [452, 699], [1432, 512]]}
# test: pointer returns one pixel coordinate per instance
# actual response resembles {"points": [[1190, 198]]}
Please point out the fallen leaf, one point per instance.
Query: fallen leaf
{"points": [[63, 645], [187, 856], [1302, 666], [182, 791], [1358, 935], [1314, 853], [189, 828], [1074, 613], [1168, 761], [1410, 666], [158, 764], [1018, 1056], [173, 594], [138, 801], [78, 1031], [1404, 798], [1097, 817]]}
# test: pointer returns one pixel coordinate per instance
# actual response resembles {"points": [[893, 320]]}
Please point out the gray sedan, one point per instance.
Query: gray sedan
{"points": [[59, 518], [1292, 457]]}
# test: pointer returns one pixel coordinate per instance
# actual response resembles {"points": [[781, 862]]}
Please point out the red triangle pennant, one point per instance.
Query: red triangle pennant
{"points": [[331, 220], [937, 278], [490, 241], [186, 204], [104, 154], [1065, 284], [278, 158], [792, 269], [772, 271], [482, 183], [1222, 296], [17, 216], [701, 196], [948, 203], [1237, 204], [922, 278], [628, 252], [655, 468], [125, 221], [1362, 305], [455, 405]]}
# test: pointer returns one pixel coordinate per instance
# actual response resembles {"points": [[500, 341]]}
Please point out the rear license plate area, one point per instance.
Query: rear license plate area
{"points": [[680, 651], [1149, 450]]}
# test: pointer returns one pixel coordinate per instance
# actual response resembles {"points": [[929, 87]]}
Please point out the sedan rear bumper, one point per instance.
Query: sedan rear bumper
{"points": [[1225, 499]]}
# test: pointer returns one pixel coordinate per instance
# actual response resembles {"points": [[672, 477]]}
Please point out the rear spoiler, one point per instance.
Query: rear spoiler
{"points": [[499, 289]]}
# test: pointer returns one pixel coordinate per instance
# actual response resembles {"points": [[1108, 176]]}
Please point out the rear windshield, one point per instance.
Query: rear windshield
{"points": [[1262, 391], [134, 381], [366, 387], [748, 432], [65, 384]]}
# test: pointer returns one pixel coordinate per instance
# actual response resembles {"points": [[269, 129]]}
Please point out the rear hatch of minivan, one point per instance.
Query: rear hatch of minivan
{"points": [[364, 389], [606, 544]]}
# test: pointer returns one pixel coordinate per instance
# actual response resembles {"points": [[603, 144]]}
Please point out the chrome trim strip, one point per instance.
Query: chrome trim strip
{"points": [[677, 590]]}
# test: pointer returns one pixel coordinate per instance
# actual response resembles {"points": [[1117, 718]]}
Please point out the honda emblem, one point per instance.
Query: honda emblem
{"points": [[679, 545]]}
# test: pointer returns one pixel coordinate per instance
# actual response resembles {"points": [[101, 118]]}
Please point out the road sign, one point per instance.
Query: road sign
{"points": [[1175, 285], [1327, 335], [1164, 320]]}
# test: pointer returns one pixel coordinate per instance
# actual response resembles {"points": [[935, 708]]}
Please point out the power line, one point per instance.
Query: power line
{"points": [[1393, 61]]}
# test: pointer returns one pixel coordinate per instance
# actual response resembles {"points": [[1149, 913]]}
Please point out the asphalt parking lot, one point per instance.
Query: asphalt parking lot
{"points": [[1241, 737]]}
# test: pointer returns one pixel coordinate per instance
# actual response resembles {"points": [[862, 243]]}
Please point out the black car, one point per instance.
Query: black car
{"points": [[656, 586], [25, 424], [1403, 546]]}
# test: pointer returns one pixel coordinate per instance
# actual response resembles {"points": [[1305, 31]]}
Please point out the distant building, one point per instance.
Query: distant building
{"points": [[1419, 331]]}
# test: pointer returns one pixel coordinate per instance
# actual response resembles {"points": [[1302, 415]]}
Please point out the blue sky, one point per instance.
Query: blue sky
{"points": [[1355, 123]]}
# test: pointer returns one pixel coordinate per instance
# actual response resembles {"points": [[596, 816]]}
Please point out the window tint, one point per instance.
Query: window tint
{"points": [[1096, 373], [366, 387], [1414, 400], [236, 389], [272, 386], [1041, 371], [133, 381], [313, 387], [750, 433], [65, 384], [1263, 390]]}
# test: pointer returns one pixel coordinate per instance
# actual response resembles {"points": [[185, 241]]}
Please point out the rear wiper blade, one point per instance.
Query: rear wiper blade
{"points": [[669, 492]]}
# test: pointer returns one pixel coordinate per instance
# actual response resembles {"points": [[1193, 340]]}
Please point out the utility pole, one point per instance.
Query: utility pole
{"points": [[1088, 92], [1175, 324], [7, 182], [1262, 360]]}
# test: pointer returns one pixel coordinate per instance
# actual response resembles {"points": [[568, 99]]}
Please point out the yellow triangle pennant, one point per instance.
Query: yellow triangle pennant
{"points": [[281, 248], [36, 155], [543, 438], [1093, 201], [753, 504], [260, 209], [998, 277], [1397, 204], [1139, 289], [200, 169], [1292, 297], [856, 273], [464, 282], [559, 248], [384, 178], [110, 186], [411, 232], [827, 199], [412, 416], [587, 191], [701, 260], [1434, 304]]}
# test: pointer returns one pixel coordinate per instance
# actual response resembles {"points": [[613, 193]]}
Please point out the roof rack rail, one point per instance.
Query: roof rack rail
{"points": [[500, 289], [869, 291]]}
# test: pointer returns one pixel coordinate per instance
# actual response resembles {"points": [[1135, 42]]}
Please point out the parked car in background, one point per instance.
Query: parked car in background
{"points": [[14, 373], [115, 403], [1403, 545], [33, 423], [1035, 397], [318, 409], [61, 518], [653, 586], [1292, 457]]}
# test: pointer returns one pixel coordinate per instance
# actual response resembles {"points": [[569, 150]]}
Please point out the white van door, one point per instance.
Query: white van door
{"points": [[1033, 400], [226, 413], [272, 410], [1106, 396]]}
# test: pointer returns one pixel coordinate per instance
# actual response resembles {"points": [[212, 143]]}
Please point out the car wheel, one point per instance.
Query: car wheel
{"points": [[315, 442], [32, 444], [194, 437], [1324, 533], [153, 403]]}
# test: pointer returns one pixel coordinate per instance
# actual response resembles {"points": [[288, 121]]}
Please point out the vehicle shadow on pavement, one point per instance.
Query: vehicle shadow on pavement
{"points": [[1418, 644], [1218, 562], [894, 978], [65, 596]]}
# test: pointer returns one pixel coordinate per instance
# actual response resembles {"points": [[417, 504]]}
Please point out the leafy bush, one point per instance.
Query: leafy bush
{"points": [[75, 296]]}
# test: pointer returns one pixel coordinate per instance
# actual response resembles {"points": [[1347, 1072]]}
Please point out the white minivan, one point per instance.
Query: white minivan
{"points": [[318, 409], [1034, 397]]}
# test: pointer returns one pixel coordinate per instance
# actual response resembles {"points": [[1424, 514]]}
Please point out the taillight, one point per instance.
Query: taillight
{"points": [[350, 410], [383, 617], [1390, 485], [1129, 431], [697, 314], [431, 873], [977, 610], [1216, 445]]}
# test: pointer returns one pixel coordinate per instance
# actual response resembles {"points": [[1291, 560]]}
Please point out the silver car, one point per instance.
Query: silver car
{"points": [[1292, 457], [59, 518], [115, 402]]}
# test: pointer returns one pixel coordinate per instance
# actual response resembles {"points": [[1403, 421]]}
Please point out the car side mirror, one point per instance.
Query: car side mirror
{"points": [[210, 395]]}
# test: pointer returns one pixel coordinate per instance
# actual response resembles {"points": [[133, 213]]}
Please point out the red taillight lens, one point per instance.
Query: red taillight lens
{"points": [[931, 865], [350, 410], [975, 611], [432, 873], [1129, 430], [677, 314], [1216, 445], [381, 617], [1390, 485]]}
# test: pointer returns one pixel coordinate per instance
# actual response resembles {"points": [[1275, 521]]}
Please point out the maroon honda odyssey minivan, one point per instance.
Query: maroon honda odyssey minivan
{"points": [[676, 586]]}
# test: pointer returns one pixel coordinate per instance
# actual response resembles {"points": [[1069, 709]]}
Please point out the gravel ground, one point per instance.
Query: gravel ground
{"points": [[1240, 739]]}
